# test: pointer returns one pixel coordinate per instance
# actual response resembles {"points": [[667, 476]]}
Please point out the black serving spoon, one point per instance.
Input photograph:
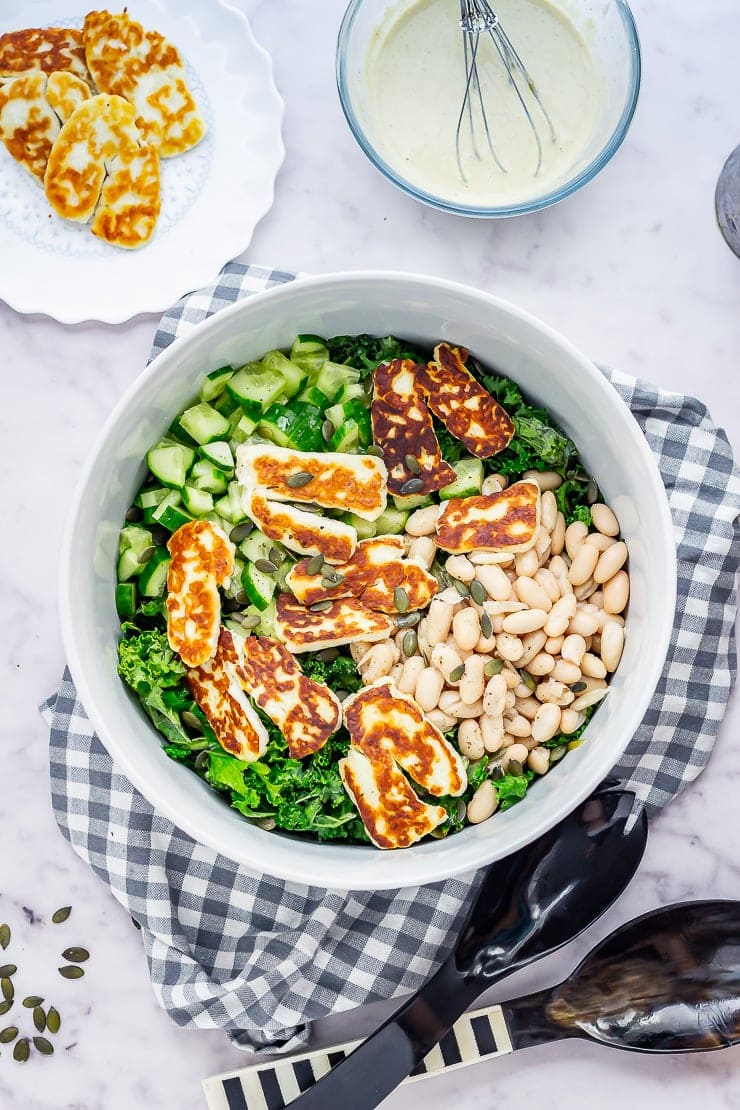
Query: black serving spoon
{"points": [[668, 981], [529, 904]]}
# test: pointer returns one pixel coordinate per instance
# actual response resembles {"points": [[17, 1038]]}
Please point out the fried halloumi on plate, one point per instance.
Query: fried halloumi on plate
{"points": [[29, 126], [43, 49]]}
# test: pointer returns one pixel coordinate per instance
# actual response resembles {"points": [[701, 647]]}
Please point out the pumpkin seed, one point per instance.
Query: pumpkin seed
{"points": [[461, 588], [407, 620], [300, 479], [46, 1048], [146, 555], [242, 597], [493, 666], [497, 772], [69, 971], [456, 673], [331, 583], [328, 655], [315, 564], [514, 767], [413, 485], [191, 721], [412, 464], [275, 556], [6, 985], [478, 592], [201, 761], [557, 753], [53, 1020], [22, 1051], [39, 1018], [373, 449], [410, 643], [266, 566], [400, 599], [592, 492], [578, 687], [319, 607], [486, 627], [5, 1006], [133, 514], [369, 384], [528, 680], [327, 430], [61, 915], [240, 531], [7, 970], [266, 823], [160, 535], [31, 1001], [9, 1034], [4, 936], [76, 955], [251, 620]]}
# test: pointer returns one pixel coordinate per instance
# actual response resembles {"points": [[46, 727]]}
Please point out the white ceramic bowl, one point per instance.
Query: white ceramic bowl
{"points": [[422, 310]]}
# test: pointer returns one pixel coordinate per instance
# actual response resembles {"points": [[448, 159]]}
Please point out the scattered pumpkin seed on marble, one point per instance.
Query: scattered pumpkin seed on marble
{"points": [[7, 970], [76, 955], [6, 986], [39, 1018], [46, 1048], [9, 1034], [4, 936], [32, 1000], [22, 1050], [60, 916], [5, 1006], [53, 1020], [70, 971]]}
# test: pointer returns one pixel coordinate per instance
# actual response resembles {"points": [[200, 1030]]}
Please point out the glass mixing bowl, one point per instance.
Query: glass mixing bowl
{"points": [[608, 29]]}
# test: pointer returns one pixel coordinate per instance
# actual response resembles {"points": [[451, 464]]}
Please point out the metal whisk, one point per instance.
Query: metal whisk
{"points": [[478, 18]]}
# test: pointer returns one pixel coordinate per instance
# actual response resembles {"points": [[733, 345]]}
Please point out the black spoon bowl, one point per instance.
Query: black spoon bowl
{"points": [[528, 905]]}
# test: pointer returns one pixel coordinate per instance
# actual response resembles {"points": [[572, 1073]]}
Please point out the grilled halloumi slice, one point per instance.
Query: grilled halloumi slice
{"points": [[341, 622], [355, 483], [42, 49], [373, 574], [202, 560], [393, 815], [299, 530], [146, 69], [306, 712], [28, 125], [466, 409], [220, 696], [99, 168], [402, 427], [506, 521], [65, 92]]}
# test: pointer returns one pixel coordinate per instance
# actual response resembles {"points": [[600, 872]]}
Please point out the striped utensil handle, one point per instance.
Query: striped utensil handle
{"points": [[477, 1035]]}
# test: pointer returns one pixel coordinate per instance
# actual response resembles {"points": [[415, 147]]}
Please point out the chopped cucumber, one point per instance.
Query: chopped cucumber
{"points": [[297, 425], [125, 600], [332, 376], [215, 383], [365, 528], [150, 497], [391, 522], [357, 410], [134, 537], [468, 482], [257, 546], [203, 423], [243, 428], [335, 413], [254, 383], [226, 404], [154, 576], [346, 437], [170, 514], [352, 391], [310, 352], [170, 462], [177, 434], [293, 375], [259, 587], [266, 627], [314, 396], [129, 565], [219, 453], [351, 421], [197, 501], [282, 573], [230, 506], [413, 501], [204, 475], [235, 585]]}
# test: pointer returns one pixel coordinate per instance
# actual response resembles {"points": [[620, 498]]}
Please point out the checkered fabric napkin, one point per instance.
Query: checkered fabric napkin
{"points": [[261, 958]]}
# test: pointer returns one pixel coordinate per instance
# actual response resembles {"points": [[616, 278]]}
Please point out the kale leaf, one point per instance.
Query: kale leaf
{"points": [[512, 788], [147, 663], [339, 674], [365, 352]]}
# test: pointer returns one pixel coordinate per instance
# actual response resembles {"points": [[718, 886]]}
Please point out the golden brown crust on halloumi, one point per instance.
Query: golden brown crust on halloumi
{"points": [[28, 125], [393, 815], [45, 49], [306, 712], [146, 69], [466, 409], [120, 220], [402, 426], [505, 521], [299, 530], [65, 92], [342, 622], [222, 700], [202, 560]]}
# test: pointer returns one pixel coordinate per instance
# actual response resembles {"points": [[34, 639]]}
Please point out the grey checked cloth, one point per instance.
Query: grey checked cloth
{"points": [[262, 959]]}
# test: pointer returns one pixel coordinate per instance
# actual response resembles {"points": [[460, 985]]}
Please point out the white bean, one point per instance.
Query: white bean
{"points": [[541, 665], [490, 558], [604, 519], [533, 643], [612, 644], [549, 691], [562, 612], [443, 721], [423, 521], [532, 594], [439, 621], [574, 649], [570, 721], [510, 700], [526, 621], [565, 672], [575, 534], [547, 723], [495, 581], [491, 484], [412, 668], [509, 647], [548, 510], [460, 567], [470, 739], [494, 697], [446, 659], [359, 649], [516, 751], [428, 688], [396, 673], [599, 541], [423, 550], [545, 479], [583, 624], [549, 584], [483, 803], [451, 702], [557, 537], [378, 662], [492, 730], [473, 682], [539, 760], [527, 563], [511, 677], [592, 666], [583, 565], [589, 698], [585, 590], [554, 645], [542, 546], [616, 593], [519, 727], [466, 628], [486, 644]]}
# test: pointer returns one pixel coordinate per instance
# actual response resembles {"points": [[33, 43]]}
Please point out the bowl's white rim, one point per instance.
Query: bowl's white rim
{"points": [[283, 858]]}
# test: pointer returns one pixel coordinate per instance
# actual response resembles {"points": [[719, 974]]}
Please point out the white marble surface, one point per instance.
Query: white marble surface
{"points": [[633, 270]]}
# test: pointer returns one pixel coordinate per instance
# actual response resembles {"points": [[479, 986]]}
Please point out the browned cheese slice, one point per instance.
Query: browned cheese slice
{"points": [[146, 69], [222, 700], [28, 124], [466, 409], [44, 49], [202, 560], [505, 521], [354, 483], [65, 92], [99, 168], [402, 426], [375, 571], [306, 712], [341, 622], [388, 731], [307, 533]]}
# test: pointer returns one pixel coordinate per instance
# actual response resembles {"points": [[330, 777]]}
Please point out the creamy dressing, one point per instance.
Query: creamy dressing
{"points": [[414, 87]]}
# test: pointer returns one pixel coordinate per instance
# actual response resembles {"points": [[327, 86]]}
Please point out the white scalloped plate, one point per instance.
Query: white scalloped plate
{"points": [[212, 197]]}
